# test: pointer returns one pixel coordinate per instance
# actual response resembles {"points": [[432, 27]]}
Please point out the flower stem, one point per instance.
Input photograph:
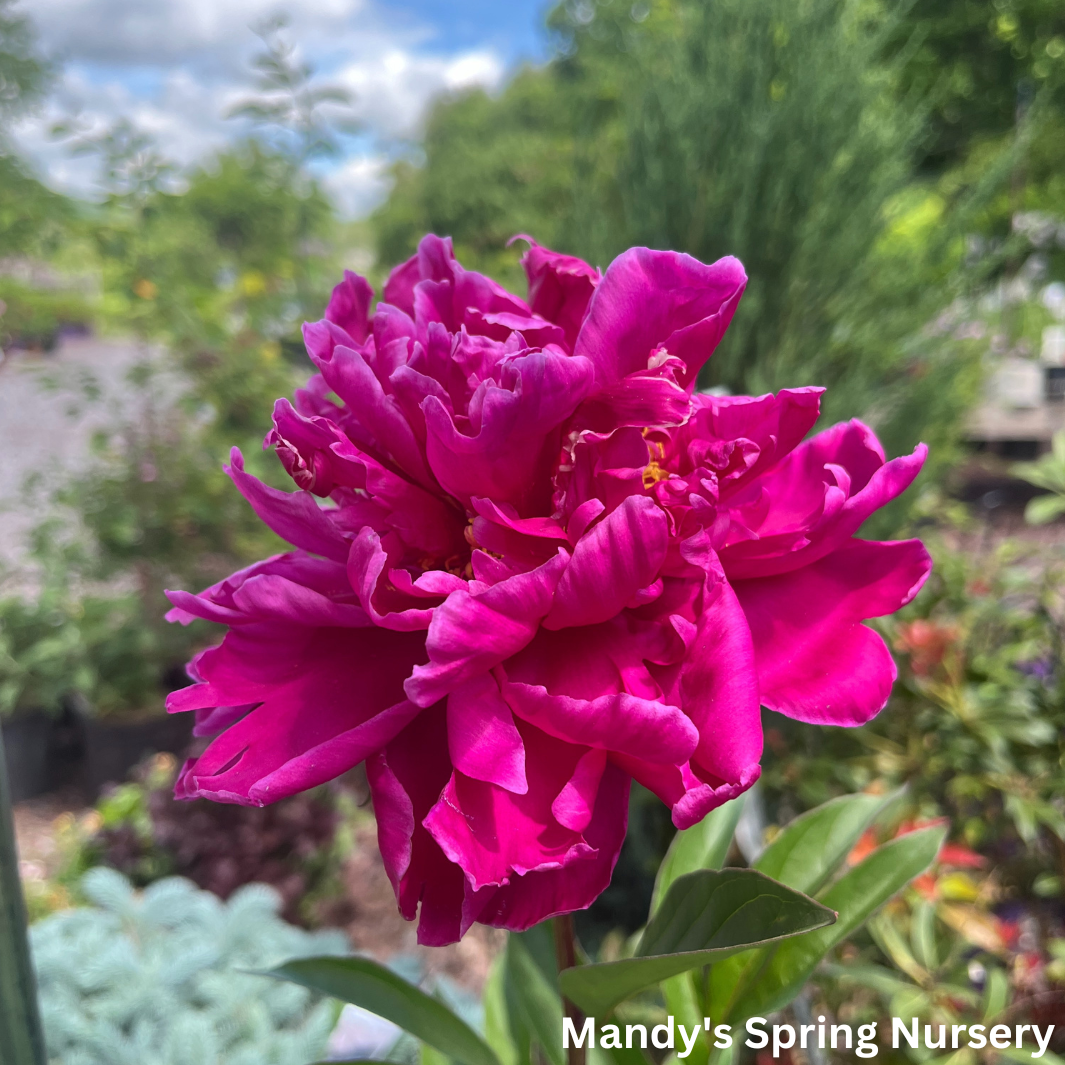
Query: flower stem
{"points": [[21, 1038], [566, 957]]}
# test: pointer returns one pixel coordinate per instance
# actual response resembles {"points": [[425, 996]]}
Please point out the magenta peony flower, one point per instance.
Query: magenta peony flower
{"points": [[531, 565]]}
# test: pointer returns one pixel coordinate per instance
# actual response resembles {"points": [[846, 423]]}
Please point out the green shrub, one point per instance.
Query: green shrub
{"points": [[33, 318]]}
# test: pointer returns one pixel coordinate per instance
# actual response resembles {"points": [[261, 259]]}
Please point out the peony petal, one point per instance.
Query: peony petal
{"points": [[321, 709], [514, 438], [646, 400], [560, 287], [350, 376], [653, 299], [483, 741], [620, 555], [472, 632], [775, 424], [816, 661], [405, 781], [321, 575], [575, 803], [535, 897], [380, 599], [294, 516], [276, 598], [349, 305], [826, 521], [720, 686], [492, 834], [689, 797]]}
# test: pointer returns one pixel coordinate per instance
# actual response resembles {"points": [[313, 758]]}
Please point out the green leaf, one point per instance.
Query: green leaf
{"points": [[616, 1056], [381, 991], [703, 846], [532, 997], [706, 915], [996, 994], [810, 848], [1024, 1055], [682, 999], [1043, 509], [877, 977], [857, 894], [497, 1032]]}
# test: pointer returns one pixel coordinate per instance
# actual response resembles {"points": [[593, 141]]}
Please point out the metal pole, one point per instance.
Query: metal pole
{"points": [[21, 1037]]}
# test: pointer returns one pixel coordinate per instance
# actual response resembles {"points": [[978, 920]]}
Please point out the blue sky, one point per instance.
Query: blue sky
{"points": [[513, 27], [174, 66]]}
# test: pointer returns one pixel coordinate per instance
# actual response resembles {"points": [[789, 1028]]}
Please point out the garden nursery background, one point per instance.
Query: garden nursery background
{"points": [[892, 176]]}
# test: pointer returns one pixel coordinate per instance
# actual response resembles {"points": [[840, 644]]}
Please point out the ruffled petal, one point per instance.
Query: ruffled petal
{"points": [[814, 501], [472, 632], [721, 687], [650, 300], [349, 306], [294, 516], [320, 710], [528, 900], [482, 738], [512, 438], [406, 779], [816, 661], [619, 556], [560, 287], [493, 834]]}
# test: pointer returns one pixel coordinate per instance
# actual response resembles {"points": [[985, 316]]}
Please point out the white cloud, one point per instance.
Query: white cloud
{"points": [[128, 33], [392, 89], [359, 184], [174, 66]]}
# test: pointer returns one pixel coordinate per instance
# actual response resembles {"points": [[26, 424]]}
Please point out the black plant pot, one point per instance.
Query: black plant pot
{"points": [[27, 737], [113, 748], [44, 751]]}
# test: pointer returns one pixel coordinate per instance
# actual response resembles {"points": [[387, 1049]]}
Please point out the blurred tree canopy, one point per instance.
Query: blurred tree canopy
{"points": [[978, 63], [807, 138], [28, 211]]}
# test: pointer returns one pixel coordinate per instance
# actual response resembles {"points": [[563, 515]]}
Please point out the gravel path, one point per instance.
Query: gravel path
{"points": [[46, 422]]}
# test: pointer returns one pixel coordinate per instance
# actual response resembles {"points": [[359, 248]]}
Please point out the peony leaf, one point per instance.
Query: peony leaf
{"points": [[810, 849], [856, 895], [703, 846], [706, 916], [533, 998], [381, 991]]}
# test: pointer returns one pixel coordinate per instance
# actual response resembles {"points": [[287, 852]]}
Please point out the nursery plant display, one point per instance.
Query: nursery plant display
{"points": [[292, 846], [538, 573]]}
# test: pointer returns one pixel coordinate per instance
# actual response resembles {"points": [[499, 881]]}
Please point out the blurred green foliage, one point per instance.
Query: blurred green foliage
{"points": [[211, 276], [978, 63], [34, 318], [798, 136], [976, 722], [1048, 473]]}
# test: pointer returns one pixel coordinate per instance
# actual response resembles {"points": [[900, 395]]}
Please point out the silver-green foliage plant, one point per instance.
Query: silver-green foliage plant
{"points": [[167, 977]]}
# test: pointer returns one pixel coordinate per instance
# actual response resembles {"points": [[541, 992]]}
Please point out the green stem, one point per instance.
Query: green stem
{"points": [[21, 1038], [566, 956]]}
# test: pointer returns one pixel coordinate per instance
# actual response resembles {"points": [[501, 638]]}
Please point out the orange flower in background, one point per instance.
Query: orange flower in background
{"points": [[926, 642]]}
